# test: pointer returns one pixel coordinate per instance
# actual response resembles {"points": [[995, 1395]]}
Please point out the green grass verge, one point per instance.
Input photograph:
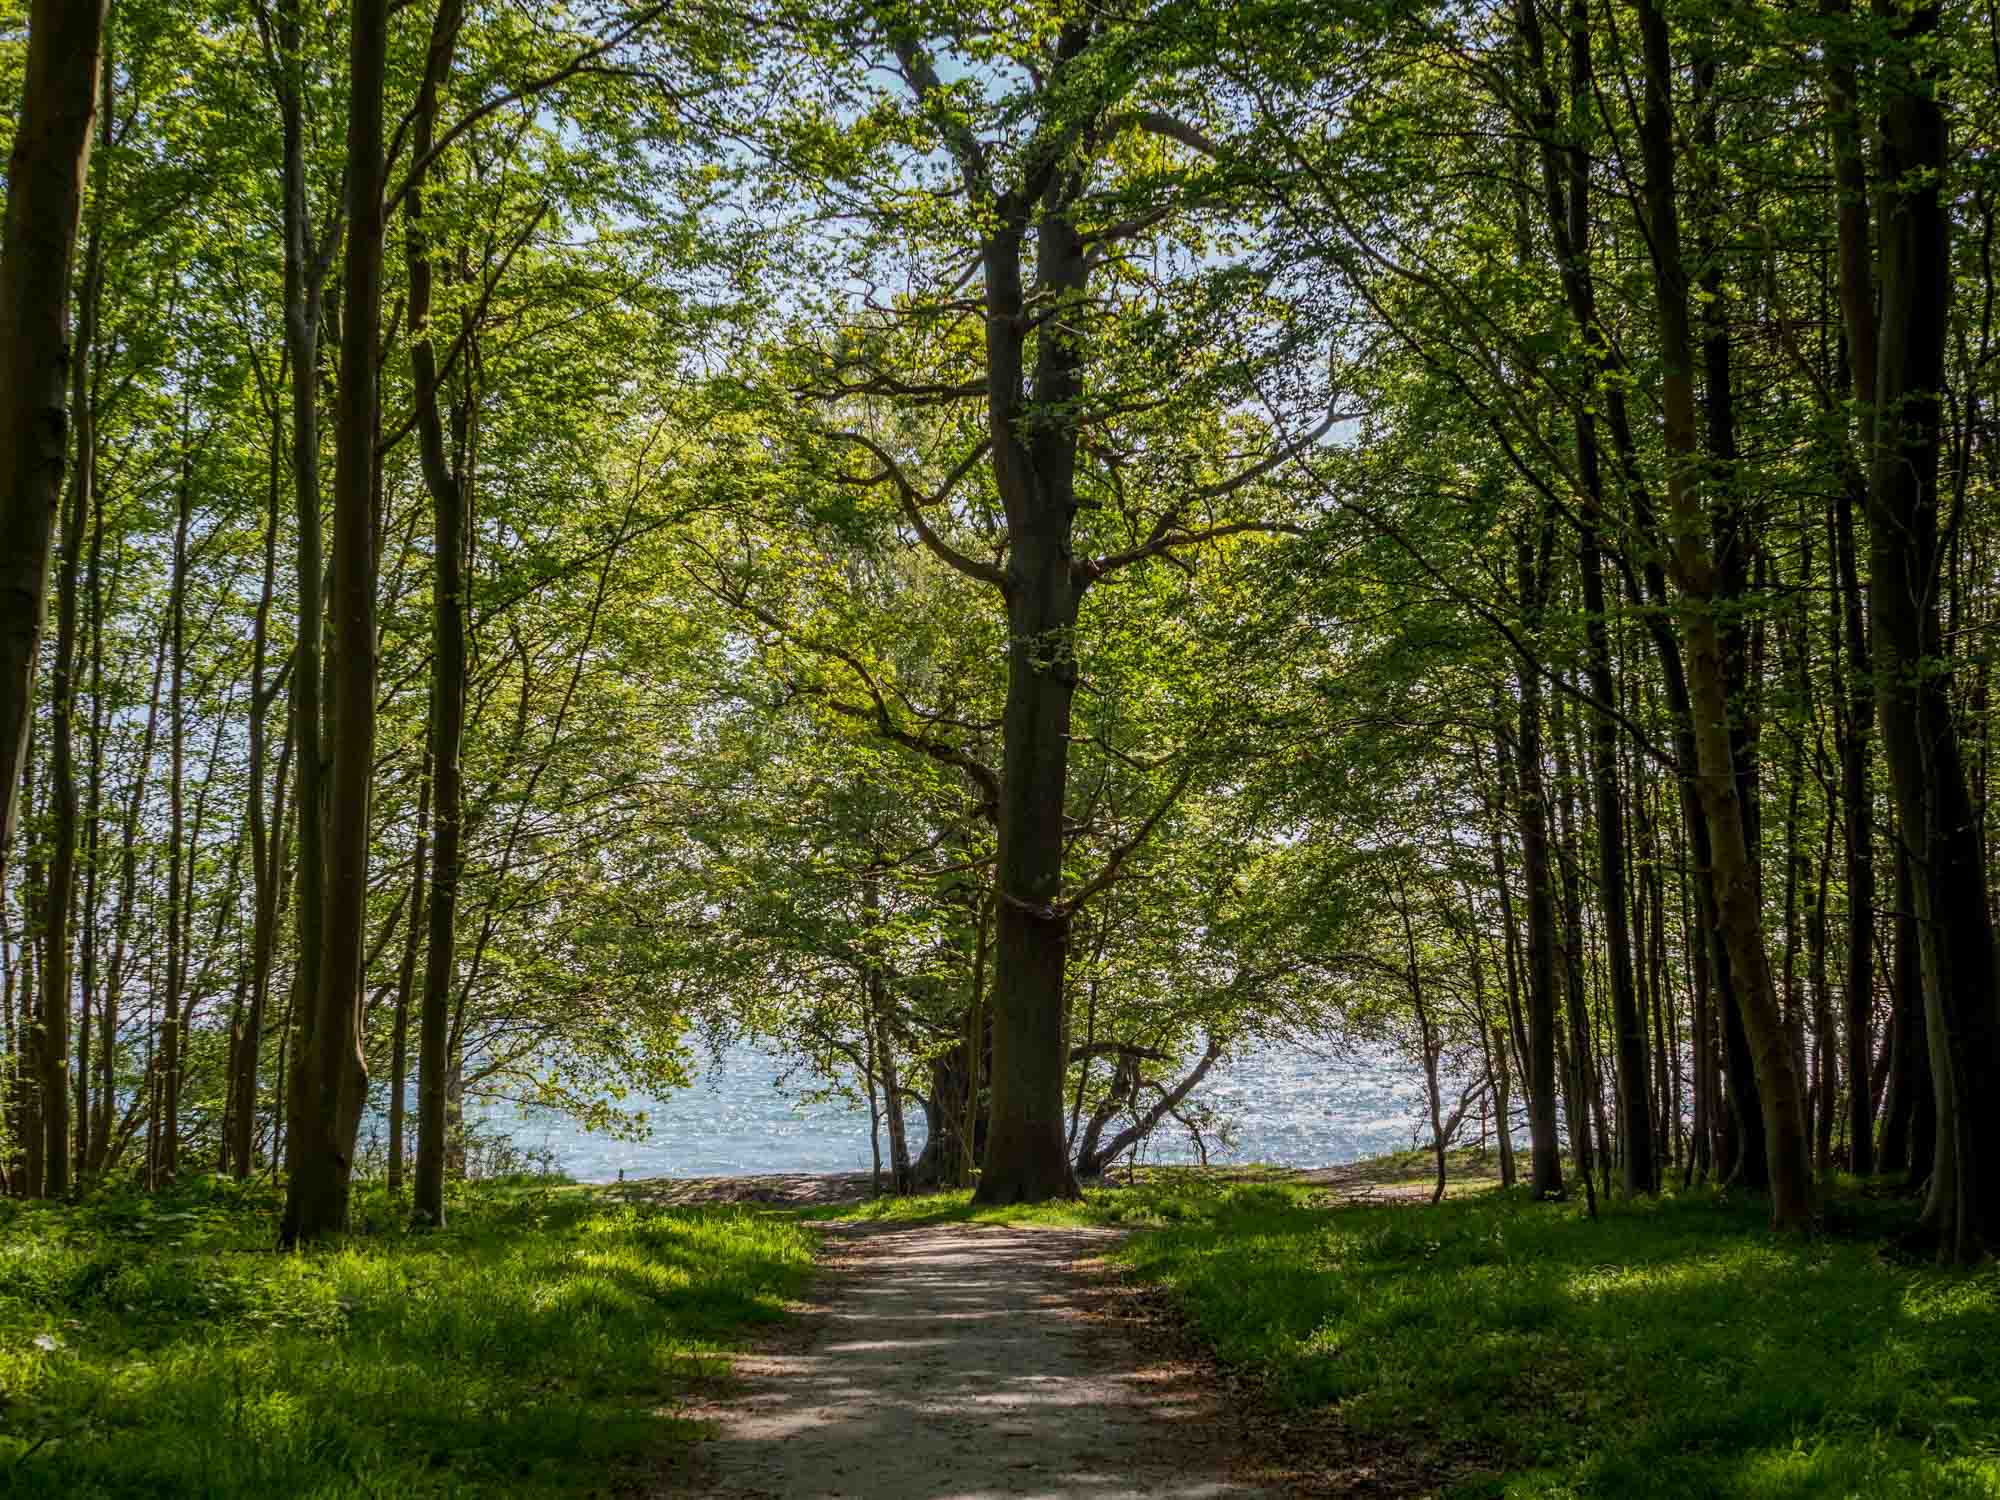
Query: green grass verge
{"points": [[537, 1347], [1666, 1351]]}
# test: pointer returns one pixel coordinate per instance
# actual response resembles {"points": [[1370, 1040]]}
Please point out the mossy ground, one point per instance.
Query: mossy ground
{"points": [[536, 1347]]}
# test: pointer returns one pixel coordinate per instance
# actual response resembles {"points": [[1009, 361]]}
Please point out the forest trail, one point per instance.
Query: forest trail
{"points": [[958, 1362]]}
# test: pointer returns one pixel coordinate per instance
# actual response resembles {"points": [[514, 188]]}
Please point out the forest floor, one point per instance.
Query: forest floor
{"points": [[1186, 1334], [547, 1343], [1332, 1333]]}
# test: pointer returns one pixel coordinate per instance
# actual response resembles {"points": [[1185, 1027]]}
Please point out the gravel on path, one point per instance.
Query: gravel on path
{"points": [[961, 1362]]}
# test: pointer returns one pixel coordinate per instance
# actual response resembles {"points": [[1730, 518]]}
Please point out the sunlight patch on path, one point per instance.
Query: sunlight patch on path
{"points": [[961, 1362]]}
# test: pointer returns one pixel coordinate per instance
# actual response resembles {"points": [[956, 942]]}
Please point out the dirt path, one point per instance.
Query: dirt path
{"points": [[958, 1362]]}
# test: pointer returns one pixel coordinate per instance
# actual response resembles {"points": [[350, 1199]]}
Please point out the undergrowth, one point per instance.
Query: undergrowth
{"points": [[536, 1347]]}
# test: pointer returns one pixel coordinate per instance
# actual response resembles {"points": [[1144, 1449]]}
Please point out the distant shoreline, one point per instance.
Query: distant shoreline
{"points": [[1394, 1175]]}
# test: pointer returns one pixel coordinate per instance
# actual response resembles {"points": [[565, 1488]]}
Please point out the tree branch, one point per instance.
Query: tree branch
{"points": [[921, 75], [913, 505], [1163, 541], [527, 90], [1124, 851], [1167, 127]]}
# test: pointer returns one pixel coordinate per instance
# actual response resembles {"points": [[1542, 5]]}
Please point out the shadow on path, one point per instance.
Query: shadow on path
{"points": [[957, 1362]]}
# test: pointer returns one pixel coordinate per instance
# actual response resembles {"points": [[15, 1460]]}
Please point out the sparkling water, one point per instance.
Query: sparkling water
{"points": [[1275, 1104]]}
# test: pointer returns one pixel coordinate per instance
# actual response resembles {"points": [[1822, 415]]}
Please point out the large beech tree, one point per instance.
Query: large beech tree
{"points": [[1067, 155]]}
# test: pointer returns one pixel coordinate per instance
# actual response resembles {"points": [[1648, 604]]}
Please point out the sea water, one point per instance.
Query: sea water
{"points": [[744, 1116]]}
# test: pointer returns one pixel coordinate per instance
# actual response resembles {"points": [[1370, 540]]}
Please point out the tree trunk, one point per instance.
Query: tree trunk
{"points": [[1940, 826], [86, 1106], [1566, 194], [868, 1073], [448, 654], [1909, 1130], [332, 1090], [266, 858], [976, 1027], [875, 989], [1827, 1071], [1545, 1150], [406, 973], [1427, 1037], [1911, 1137], [1034, 460], [305, 267], [1737, 898], [45, 177], [27, 1036], [62, 706], [167, 1160], [1493, 1043], [1857, 307]]}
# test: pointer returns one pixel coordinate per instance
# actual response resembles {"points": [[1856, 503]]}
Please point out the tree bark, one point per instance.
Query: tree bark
{"points": [[1027, 1160], [1737, 898], [306, 262], [266, 858], [86, 1106], [1827, 1069], [332, 1090], [1427, 1037], [1939, 824], [876, 990], [45, 177], [406, 972], [1545, 1150], [1566, 195], [167, 1161], [1857, 310], [1909, 1124], [446, 484]]}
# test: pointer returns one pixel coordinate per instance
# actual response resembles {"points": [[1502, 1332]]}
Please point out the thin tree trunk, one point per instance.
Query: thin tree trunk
{"points": [[1493, 1044], [399, 1051], [1909, 1129], [167, 1158], [128, 879], [1827, 1069], [1426, 1035], [265, 858], [446, 485], [86, 1105], [868, 1071], [975, 1042], [876, 988], [1857, 307], [1545, 1151], [1737, 897], [27, 1036], [305, 268]]}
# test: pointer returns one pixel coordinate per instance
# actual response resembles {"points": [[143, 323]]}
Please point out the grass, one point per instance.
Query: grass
{"points": [[537, 1347], [1667, 1351]]}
